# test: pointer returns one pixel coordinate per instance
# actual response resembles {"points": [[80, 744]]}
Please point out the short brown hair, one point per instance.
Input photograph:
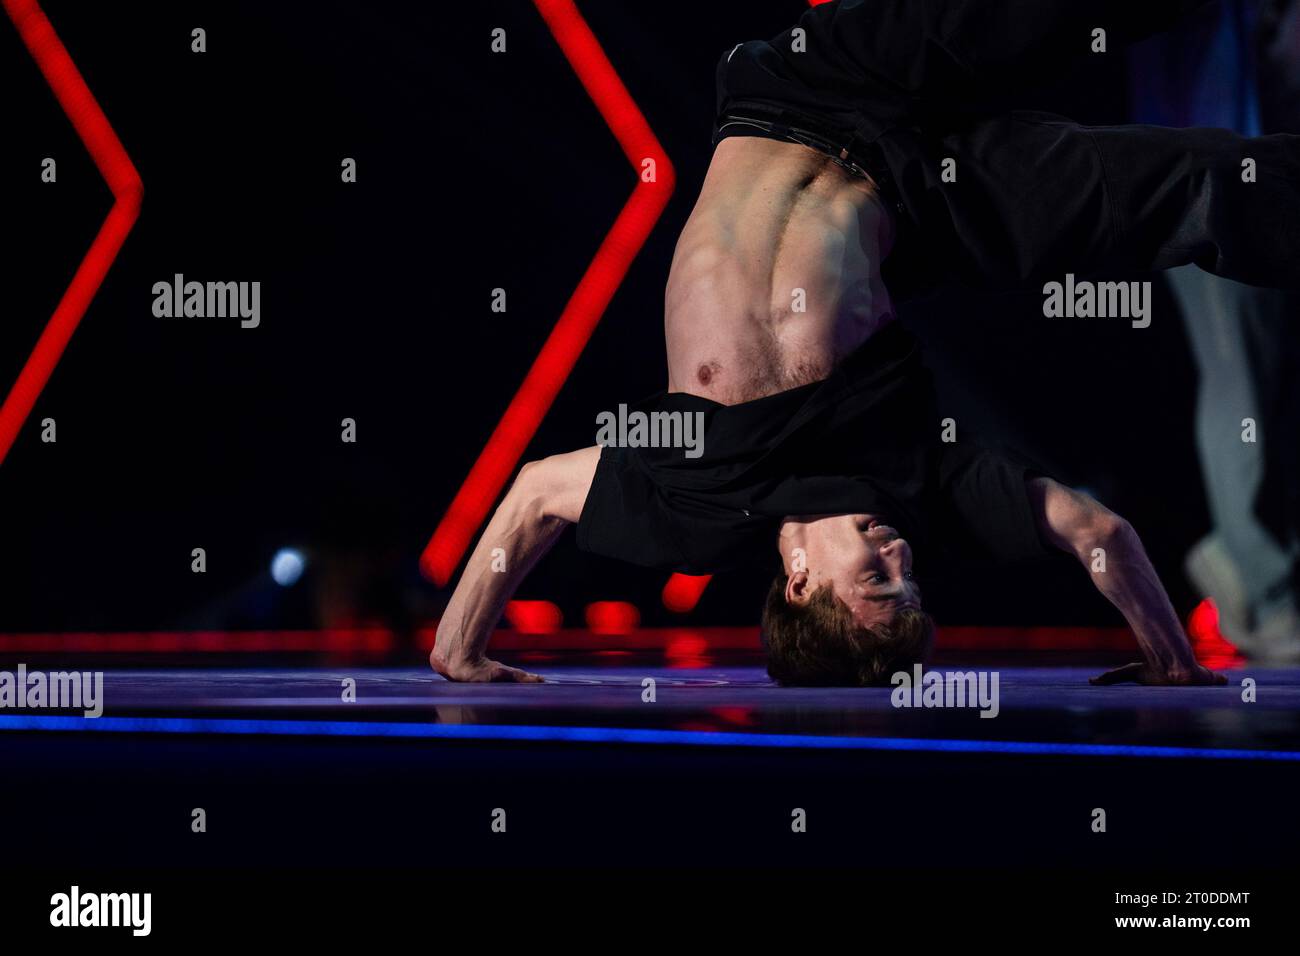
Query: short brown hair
{"points": [[819, 645]]}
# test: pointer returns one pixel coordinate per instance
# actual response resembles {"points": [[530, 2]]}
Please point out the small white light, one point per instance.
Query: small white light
{"points": [[287, 566]]}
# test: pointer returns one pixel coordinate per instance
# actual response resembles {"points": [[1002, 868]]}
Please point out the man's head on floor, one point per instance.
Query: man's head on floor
{"points": [[844, 610]]}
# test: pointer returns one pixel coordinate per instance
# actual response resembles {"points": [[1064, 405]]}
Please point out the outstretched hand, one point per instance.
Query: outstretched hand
{"points": [[1142, 673]]}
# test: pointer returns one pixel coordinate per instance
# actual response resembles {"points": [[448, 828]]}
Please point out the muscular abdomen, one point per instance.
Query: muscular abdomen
{"points": [[776, 274]]}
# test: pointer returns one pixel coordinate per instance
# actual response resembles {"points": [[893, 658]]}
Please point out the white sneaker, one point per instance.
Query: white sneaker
{"points": [[1272, 637]]}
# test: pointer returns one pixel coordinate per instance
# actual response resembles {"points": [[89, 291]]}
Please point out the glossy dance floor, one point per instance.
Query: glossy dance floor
{"points": [[707, 774], [1039, 705]]}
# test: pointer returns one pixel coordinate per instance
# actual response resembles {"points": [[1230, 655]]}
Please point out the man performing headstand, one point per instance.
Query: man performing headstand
{"points": [[856, 160]]}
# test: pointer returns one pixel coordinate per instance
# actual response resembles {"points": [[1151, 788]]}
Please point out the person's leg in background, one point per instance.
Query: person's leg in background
{"points": [[1243, 338], [1236, 67]]}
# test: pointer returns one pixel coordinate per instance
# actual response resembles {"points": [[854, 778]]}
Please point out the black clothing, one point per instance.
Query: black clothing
{"points": [[897, 87], [866, 440], [903, 85]]}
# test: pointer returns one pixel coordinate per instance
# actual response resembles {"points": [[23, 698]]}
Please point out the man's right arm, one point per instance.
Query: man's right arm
{"points": [[545, 498]]}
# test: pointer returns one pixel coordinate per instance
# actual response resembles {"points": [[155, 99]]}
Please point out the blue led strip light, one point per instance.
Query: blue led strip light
{"points": [[609, 735]]}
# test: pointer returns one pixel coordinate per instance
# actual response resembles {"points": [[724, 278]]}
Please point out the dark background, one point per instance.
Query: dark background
{"points": [[475, 171]]}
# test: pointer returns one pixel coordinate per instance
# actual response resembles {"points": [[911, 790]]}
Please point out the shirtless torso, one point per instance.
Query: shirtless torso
{"points": [[776, 275]]}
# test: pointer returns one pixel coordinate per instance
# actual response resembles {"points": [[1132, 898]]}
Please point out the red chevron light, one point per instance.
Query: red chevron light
{"points": [[585, 307], [115, 166]]}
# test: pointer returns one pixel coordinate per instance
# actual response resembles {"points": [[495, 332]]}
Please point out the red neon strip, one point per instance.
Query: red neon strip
{"points": [[585, 307], [678, 640], [367, 640], [691, 641], [588, 639], [116, 168]]}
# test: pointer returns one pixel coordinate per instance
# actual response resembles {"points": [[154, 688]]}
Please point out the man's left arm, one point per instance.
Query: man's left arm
{"points": [[1077, 524]]}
